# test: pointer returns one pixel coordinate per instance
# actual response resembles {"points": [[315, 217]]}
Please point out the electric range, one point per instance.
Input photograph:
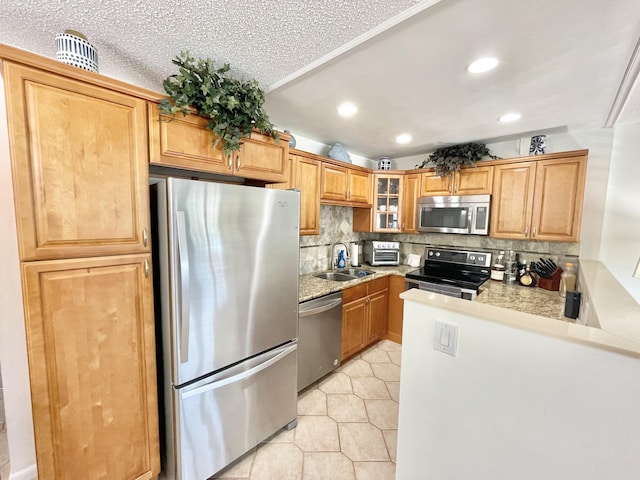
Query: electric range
{"points": [[456, 273]]}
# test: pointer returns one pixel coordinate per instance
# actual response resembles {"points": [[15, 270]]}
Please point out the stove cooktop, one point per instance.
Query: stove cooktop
{"points": [[454, 267]]}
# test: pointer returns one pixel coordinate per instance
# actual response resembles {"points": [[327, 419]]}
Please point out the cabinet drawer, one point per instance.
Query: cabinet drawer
{"points": [[377, 285], [354, 293]]}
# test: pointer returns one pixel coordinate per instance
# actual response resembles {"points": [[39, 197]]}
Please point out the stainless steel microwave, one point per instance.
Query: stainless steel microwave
{"points": [[466, 214]]}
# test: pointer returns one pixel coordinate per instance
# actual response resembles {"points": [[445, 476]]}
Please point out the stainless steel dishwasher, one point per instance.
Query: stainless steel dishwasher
{"points": [[319, 337]]}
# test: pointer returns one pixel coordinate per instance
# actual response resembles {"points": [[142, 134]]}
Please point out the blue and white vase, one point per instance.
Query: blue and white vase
{"points": [[538, 145]]}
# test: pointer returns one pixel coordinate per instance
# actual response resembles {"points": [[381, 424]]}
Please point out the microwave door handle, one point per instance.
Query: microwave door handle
{"points": [[470, 216]]}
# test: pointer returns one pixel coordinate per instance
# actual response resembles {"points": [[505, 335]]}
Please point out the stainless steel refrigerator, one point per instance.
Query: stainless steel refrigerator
{"points": [[228, 260]]}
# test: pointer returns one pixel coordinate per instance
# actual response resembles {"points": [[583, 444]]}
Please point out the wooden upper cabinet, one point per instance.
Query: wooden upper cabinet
{"points": [[90, 335], [79, 155], [559, 193], [410, 191], [387, 203], [345, 186], [308, 181], [334, 182], [262, 158], [473, 181], [434, 185], [539, 200], [512, 201], [185, 142], [359, 187], [467, 181]]}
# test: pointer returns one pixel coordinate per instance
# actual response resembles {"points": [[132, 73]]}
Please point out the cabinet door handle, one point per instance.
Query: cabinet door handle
{"points": [[455, 189], [534, 231], [146, 268], [145, 237], [230, 166], [238, 161], [526, 231]]}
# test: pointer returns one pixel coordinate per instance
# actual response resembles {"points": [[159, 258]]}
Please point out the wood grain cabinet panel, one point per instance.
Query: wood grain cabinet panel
{"points": [[303, 173], [559, 193], [539, 200], [397, 285], [90, 334], [410, 191], [185, 142], [262, 158], [467, 181], [364, 315], [512, 201], [354, 324], [308, 181], [359, 187], [434, 185], [79, 155], [345, 186], [378, 305], [473, 181], [335, 182]]}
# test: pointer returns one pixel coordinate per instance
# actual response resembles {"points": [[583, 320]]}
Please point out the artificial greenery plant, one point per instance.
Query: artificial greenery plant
{"points": [[450, 159], [234, 107]]}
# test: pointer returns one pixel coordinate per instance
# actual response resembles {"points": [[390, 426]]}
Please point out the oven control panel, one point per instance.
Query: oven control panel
{"points": [[482, 259]]}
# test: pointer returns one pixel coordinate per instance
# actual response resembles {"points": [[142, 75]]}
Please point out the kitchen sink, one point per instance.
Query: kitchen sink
{"points": [[355, 272], [335, 276], [345, 274]]}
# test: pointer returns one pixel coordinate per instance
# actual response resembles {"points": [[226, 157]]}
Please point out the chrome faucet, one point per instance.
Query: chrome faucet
{"points": [[334, 257]]}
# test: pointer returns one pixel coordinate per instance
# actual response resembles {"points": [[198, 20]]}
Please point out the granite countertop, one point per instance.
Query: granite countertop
{"points": [[311, 287], [537, 301], [515, 297]]}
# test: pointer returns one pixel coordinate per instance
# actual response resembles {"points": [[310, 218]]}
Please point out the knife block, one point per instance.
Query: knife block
{"points": [[553, 283]]}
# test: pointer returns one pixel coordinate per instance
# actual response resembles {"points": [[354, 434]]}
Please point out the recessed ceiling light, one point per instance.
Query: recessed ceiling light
{"points": [[483, 65], [509, 117], [404, 138], [347, 109]]}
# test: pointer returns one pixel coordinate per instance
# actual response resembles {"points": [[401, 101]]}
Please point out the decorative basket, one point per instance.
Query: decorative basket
{"points": [[73, 49]]}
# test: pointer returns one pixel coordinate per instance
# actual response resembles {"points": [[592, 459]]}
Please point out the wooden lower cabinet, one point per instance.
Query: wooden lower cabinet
{"points": [[90, 334], [364, 315], [397, 285]]}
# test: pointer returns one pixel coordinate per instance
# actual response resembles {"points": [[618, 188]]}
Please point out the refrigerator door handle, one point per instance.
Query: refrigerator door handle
{"points": [[183, 259], [240, 376]]}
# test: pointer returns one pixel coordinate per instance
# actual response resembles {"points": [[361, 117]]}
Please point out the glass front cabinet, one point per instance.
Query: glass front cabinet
{"points": [[387, 203]]}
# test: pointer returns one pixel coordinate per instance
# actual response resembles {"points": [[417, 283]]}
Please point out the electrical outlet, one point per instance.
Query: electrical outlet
{"points": [[637, 273]]}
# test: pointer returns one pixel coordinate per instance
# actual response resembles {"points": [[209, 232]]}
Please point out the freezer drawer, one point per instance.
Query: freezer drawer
{"points": [[223, 417]]}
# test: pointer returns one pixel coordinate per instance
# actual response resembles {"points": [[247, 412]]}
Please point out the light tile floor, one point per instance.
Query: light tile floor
{"points": [[347, 426]]}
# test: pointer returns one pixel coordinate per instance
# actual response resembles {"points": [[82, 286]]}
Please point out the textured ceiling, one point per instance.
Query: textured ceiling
{"points": [[136, 39], [564, 64]]}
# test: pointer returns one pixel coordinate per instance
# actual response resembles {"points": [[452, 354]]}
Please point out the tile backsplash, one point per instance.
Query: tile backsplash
{"points": [[336, 225]]}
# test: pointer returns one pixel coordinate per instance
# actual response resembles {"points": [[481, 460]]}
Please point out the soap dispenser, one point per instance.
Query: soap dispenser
{"points": [[341, 261]]}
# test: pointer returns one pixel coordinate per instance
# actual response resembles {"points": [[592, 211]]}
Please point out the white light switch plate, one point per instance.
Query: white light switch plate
{"points": [[446, 338]]}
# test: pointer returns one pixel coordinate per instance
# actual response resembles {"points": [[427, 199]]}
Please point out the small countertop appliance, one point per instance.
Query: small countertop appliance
{"points": [[378, 253]]}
